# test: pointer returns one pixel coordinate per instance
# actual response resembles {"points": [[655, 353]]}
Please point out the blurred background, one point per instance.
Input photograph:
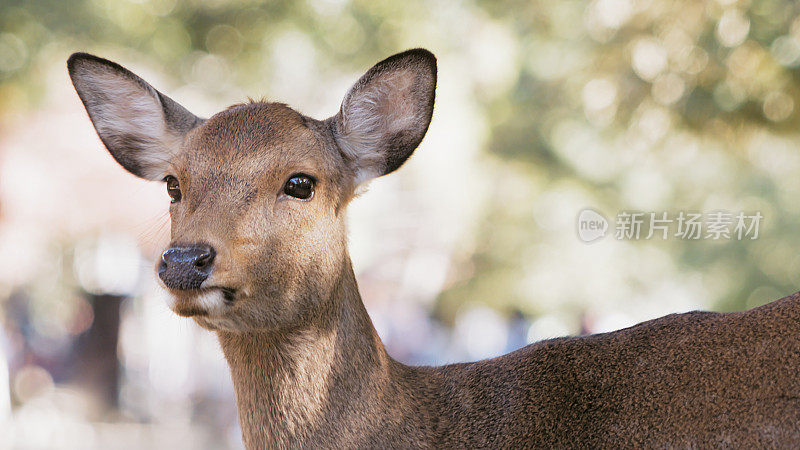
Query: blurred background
{"points": [[543, 108]]}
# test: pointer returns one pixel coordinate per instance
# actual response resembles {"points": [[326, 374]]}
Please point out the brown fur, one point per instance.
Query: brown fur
{"points": [[684, 380], [309, 368]]}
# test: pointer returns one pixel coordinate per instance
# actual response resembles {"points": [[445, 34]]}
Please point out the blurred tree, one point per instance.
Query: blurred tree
{"points": [[620, 104], [695, 101]]}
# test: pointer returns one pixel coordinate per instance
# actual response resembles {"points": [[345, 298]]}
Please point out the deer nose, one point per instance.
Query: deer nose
{"points": [[186, 267]]}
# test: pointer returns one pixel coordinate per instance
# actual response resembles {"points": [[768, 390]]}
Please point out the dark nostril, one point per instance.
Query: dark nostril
{"points": [[206, 258]]}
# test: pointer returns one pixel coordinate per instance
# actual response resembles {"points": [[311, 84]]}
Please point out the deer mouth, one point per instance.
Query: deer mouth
{"points": [[203, 302], [228, 294]]}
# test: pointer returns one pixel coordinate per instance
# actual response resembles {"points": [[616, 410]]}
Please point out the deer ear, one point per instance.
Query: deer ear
{"points": [[385, 115], [141, 127]]}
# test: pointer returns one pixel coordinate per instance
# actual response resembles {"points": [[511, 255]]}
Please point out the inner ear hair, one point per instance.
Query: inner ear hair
{"points": [[386, 113], [140, 126]]}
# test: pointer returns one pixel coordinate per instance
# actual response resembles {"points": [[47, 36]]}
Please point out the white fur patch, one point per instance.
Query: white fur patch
{"points": [[212, 301]]}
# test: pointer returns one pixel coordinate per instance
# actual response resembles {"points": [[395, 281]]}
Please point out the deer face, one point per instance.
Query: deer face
{"points": [[257, 194], [258, 191]]}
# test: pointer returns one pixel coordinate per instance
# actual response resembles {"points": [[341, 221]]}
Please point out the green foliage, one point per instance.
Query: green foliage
{"points": [[702, 96], [615, 104]]}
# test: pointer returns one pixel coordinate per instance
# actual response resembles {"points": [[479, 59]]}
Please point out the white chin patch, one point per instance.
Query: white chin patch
{"points": [[212, 301]]}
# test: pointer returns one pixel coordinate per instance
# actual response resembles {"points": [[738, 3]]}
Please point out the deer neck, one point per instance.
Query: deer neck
{"points": [[291, 384]]}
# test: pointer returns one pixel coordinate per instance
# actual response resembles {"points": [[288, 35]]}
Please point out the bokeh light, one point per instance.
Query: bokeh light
{"points": [[543, 109]]}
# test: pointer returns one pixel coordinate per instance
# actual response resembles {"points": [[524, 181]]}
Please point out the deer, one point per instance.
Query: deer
{"points": [[258, 255]]}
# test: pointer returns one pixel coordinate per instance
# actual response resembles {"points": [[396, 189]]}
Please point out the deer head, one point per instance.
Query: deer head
{"points": [[258, 191]]}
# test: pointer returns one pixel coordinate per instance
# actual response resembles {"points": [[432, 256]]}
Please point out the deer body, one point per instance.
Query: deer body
{"points": [[258, 255], [699, 378]]}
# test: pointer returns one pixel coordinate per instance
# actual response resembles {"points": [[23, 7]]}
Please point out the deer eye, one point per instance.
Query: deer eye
{"points": [[299, 186], [173, 188]]}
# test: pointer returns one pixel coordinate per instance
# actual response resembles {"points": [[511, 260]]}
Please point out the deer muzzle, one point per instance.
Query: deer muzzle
{"points": [[186, 267]]}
